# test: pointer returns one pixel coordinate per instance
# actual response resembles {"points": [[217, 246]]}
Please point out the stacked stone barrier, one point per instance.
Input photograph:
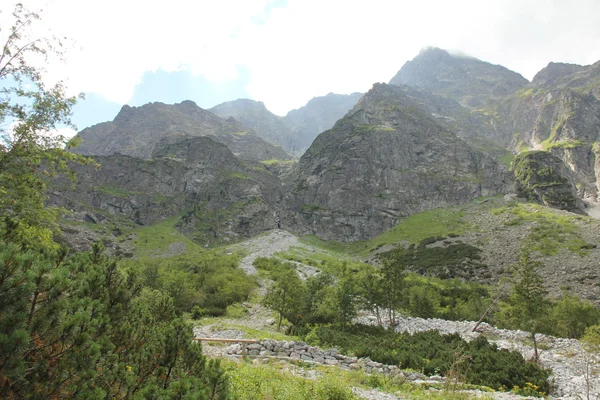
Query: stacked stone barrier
{"points": [[294, 350]]}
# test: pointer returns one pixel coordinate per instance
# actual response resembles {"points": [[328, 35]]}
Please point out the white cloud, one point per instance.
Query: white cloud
{"points": [[310, 47]]}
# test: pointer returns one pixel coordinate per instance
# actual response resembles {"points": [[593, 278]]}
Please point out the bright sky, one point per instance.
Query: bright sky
{"points": [[284, 52]]}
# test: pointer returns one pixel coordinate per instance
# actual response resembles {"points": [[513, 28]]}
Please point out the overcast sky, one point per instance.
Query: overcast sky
{"points": [[284, 52]]}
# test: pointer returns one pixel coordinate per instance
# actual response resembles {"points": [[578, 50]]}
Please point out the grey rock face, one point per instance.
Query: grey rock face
{"points": [[136, 132], [468, 80], [254, 115], [544, 178], [385, 160], [197, 177], [318, 115]]}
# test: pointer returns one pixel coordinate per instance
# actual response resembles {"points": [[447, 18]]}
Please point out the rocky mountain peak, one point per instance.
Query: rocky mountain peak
{"points": [[136, 131], [386, 159], [467, 79], [554, 72]]}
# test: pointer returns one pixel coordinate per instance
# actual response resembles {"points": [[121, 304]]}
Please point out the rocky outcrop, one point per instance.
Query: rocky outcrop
{"points": [[559, 111], [219, 197], [136, 132], [385, 160], [543, 178], [254, 115], [318, 115]]}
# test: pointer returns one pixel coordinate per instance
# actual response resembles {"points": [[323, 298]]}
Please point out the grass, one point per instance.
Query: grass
{"points": [[275, 161], [551, 231], [284, 381], [232, 174], [548, 145], [154, 240], [413, 229], [117, 192]]}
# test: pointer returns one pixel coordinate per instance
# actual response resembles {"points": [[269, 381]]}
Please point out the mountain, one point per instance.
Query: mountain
{"points": [[559, 111], [318, 115], [254, 115], [214, 196], [385, 160], [472, 82], [136, 131]]}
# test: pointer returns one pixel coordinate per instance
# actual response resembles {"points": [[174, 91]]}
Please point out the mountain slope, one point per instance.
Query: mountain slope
{"points": [[216, 197], [470, 81], [318, 115], [136, 131], [385, 160], [254, 115]]}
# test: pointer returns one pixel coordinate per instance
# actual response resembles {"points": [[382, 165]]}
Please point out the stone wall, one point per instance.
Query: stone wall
{"points": [[302, 351]]}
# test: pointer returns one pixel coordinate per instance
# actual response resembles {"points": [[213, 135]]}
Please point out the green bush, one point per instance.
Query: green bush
{"points": [[210, 281], [433, 353]]}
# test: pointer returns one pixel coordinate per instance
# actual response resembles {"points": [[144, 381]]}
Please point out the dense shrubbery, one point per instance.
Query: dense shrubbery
{"points": [[379, 289], [203, 283], [448, 260], [78, 327], [477, 362]]}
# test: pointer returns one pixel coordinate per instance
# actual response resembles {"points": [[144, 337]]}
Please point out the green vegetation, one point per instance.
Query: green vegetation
{"points": [[420, 226], [551, 231], [497, 152], [117, 192], [268, 382], [564, 144], [477, 362], [277, 162], [506, 159], [310, 207], [28, 111], [209, 220], [73, 325], [202, 283], [366, 128], [539, 179], [228, 174], [412, 229], [154, 240], [438, 256]]}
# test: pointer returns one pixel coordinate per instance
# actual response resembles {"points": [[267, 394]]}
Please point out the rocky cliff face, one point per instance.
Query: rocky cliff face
{"points": [[472, 82], [136, 132], [318, 115], [385, 160], [254, 115], [544, 178], [198, 179], [559, 111]]}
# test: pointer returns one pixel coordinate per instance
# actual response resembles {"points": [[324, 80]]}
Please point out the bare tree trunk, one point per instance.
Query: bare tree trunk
{"points": [[535, 348], [489, 308]]}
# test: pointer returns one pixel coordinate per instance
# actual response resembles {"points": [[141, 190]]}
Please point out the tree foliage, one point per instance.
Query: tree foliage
{"points": [[30, 112], [78, 327]]}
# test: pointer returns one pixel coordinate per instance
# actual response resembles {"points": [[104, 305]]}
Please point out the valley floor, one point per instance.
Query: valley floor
{"points": [[566, 357]]}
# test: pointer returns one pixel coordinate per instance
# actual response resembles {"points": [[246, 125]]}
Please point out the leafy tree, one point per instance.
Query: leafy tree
{"points": [[393, 288], [29, 112], [285, 296], [422, 302], [371, 292], [527, 305], [345, 295], [570, 316], [319, 301]]}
